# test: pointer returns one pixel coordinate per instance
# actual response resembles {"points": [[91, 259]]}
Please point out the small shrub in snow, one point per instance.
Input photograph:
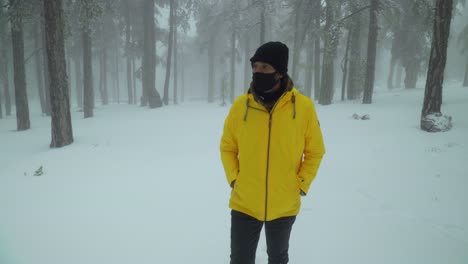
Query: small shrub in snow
{"points": [[436, 122], [39, 172], [358, 117]]}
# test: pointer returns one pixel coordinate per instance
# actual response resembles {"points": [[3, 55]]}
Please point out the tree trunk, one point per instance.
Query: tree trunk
{"points": [[398, 75], [465, 81], [79, 82], [355, 77], [149, 57], [233, 67], [182, 77], [411, 75], [345, 67], [105, 92], [39, 64], [117, 74], [262, 23], [127, 52], [331, 43], [175, 64], [371, 53], [169, 53], [438, 58], [317, 61], [21, 97], [69, 75], [211, 69], [45, 71], [88, 98], [1, 106], [391, 74], [134, 82], [396, 54], [3, 60], [309, 67], [247, 66], [103, 76], [4, 64], [62, 133], [4, 76], [296, 50]]}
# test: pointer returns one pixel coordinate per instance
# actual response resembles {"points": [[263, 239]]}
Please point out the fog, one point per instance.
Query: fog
{"points": [[111, 114], [215, 40]]}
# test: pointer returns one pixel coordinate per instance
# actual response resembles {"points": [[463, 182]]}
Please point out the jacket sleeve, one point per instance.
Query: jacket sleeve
{"points": [[313, 151], [229, 148]]}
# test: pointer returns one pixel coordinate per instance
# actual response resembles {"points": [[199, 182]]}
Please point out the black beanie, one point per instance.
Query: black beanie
{"points": [[274, 53]]}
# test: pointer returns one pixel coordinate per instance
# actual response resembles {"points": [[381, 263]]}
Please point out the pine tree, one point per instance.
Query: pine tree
{"points": [[435, 75], [59, 93]]}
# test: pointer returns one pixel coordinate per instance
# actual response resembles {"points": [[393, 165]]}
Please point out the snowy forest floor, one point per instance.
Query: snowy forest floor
{"points": [[147, 186]]}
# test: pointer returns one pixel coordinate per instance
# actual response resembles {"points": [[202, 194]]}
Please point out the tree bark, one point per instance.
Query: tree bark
{"points": [[438, 58], [105, 93], [88, 98], [4, 67], [45, 70], [175, 64], [39, 64], [169, 53], [411, 74], [317, 61], [247, 66], [345, 67], [103, 76], [1, 106], [371, 53], [2, 59], [309, 67], [117, 74], [78, 82], [355, 77], [465, 81], [6, 83], [396, 54], [331, 43], [398, 75], [62, 133], [391, 74], [21, 97], [233, 67], [262, 22], [68, 60], [182, 77], [297, 29], [151, 95], [134, 81], [127, 53], [211, 69]]}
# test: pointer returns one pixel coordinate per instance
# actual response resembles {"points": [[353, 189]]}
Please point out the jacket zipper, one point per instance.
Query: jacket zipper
{"points": [[268, 154], [268, 166]]}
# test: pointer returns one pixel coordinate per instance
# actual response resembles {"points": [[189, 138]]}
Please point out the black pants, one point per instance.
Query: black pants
{"points": [[245, 233]]}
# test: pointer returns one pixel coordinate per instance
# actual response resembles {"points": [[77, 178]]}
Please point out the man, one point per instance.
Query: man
{"points": [[271, 149]]}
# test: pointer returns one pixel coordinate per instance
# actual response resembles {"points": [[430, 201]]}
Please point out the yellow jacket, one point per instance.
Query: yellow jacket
{"points": [[272, 156]]}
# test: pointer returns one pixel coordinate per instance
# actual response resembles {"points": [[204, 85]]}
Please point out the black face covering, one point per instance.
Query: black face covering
{"points": [[263, 82], [262, 85]]}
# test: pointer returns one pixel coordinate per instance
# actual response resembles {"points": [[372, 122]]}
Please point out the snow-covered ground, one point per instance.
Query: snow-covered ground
{"points": [[147, 186]]}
